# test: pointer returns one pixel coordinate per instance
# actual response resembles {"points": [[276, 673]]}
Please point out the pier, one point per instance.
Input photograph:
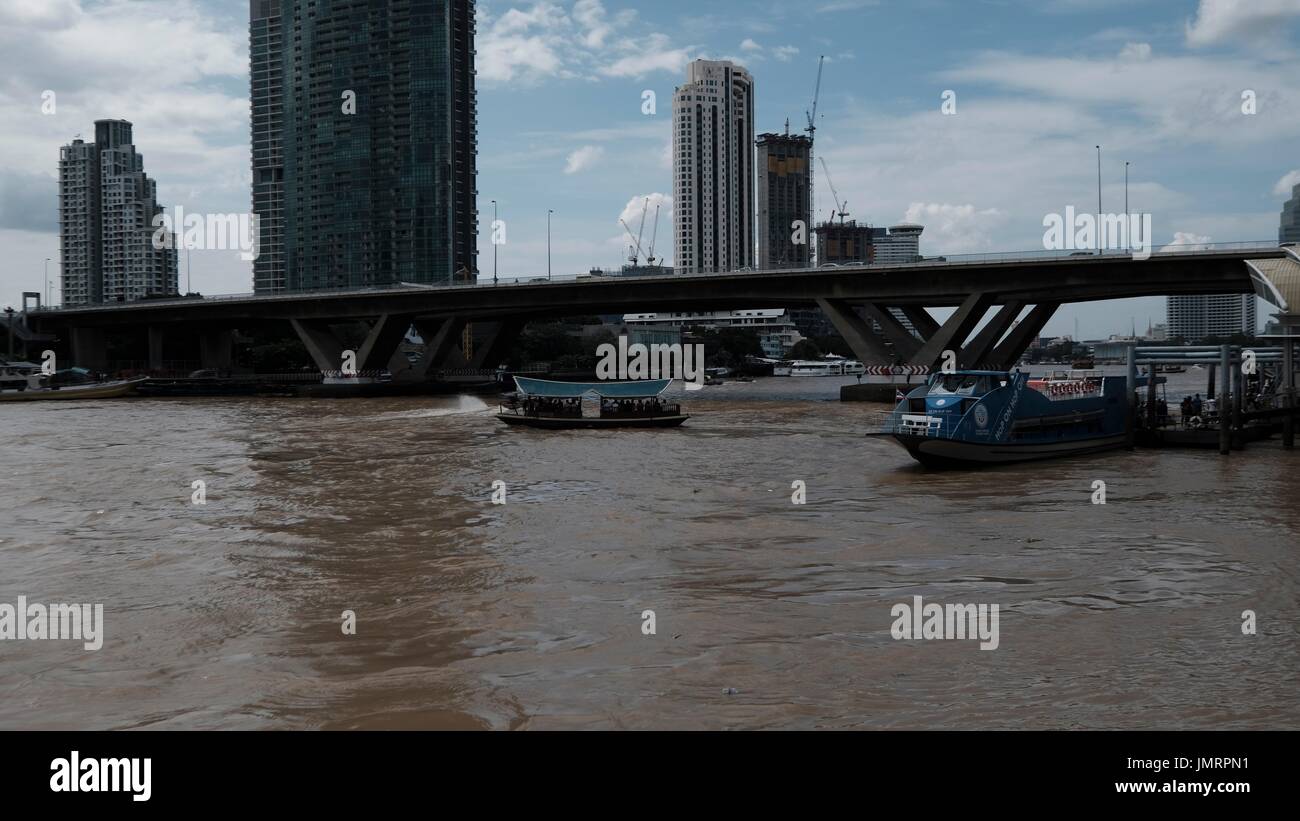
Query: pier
{"points": [[1250, 395]]}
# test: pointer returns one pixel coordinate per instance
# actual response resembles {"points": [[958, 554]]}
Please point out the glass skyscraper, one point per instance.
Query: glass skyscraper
{"points": [[363, 142]]}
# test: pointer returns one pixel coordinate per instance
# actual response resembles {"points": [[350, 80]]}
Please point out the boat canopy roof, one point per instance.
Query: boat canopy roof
{"points": [[609, 390], [968, 372]]}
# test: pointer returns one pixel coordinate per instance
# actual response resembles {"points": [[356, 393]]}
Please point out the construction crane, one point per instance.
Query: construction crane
{"points": [[650, 258], [635, 247], [812, 134], [841, 208], [812, 115], [635, 258]]}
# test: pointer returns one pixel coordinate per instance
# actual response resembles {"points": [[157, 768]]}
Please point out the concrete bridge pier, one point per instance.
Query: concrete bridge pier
{"points": [[441, 347], [322, 344], [905, 343], [156, 335], [89, 349], [381, 348], [866, 344], [1008, 352], [492, 351], [977, 352], [953, 332], [216, 348]]}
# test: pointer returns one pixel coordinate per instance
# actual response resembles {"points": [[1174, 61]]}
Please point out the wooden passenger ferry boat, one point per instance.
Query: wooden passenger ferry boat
{"points": [[541, 403]]}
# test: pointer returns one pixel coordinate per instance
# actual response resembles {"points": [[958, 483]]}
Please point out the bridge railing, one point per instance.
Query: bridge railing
{"points": [[943, 261]]}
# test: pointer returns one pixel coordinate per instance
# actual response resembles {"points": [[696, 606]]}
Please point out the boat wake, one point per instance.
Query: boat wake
{"points": [[463, 405]]}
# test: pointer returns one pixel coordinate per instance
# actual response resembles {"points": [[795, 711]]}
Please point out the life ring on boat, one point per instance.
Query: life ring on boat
{"points": [[1195, 423]]}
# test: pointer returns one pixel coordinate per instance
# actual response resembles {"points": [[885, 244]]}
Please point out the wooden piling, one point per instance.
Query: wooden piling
{"points": [[1288, 387], [1151, 397], [1131, 397], [1223, 406], [1238, 396]]}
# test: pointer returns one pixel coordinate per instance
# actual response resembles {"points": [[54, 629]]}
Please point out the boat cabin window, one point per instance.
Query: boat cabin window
{"points": [[960, 384]]}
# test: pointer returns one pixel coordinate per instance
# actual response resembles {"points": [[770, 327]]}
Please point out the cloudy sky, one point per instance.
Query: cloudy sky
{"points": [[1038, 84]]}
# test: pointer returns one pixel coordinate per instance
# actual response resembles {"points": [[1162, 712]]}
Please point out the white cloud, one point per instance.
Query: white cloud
{"points": [[39, 13], [1288, 181], [596, 26], [785, 53], [525, 46], [845, 5], [654, 54], [1187, 241], [583, 158], [748, 44], [1135, 51], [1221, 20], [956, 228], [1184, 100]]}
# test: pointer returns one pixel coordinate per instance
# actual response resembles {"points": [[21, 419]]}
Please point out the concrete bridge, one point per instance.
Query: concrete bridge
{"points": [[993, 289]]}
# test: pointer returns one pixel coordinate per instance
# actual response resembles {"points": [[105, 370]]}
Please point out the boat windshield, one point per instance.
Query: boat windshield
{"points": [[960, 384]]}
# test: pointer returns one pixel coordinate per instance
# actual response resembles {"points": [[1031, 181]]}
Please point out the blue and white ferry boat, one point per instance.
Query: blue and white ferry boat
{"points": [[975, 417]]}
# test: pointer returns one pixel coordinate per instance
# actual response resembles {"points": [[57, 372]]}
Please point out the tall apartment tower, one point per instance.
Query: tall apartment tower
{"points": [[266, 73], [1197, 316], [1289, 230], [107, 206], [784, 197], [364, 140], [713, 173]]}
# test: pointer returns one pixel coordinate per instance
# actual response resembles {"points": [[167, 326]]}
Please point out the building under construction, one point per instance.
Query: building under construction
{"points": [[784, 200], [846, 241]]}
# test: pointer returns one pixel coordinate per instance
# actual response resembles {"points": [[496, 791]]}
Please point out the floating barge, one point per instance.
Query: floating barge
{"points": [[541, 403]]}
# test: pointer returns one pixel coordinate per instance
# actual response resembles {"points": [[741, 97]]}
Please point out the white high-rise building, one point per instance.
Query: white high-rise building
{"points": [[1193, 318], [713, 168], [901, 244], [107, 206]]}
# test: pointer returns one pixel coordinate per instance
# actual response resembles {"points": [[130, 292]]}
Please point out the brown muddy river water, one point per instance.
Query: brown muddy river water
{"points": [[767, 614]]}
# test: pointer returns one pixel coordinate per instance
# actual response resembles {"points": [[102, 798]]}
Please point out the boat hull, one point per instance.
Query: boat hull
{"points": [[950, 453], [108, 390], [1204, 438], [560, 423]]}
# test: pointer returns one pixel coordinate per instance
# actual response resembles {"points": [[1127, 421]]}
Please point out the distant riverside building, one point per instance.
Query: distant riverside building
{"points": [[902, 244], [784, 197], [1290, 228], [776, 331], [713, 174], [364, 140], [644, 270], [107, 205], [1221, 315]]}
